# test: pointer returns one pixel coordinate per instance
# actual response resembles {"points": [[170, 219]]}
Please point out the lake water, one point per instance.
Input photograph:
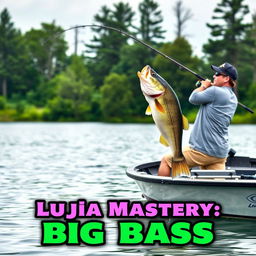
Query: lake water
{"points": [[68, 161]]}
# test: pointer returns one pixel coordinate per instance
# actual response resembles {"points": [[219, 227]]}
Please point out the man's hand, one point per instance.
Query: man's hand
{"points": [[204, 85], [207, 83]]}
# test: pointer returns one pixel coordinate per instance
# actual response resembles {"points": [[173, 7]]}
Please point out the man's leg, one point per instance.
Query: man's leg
{"points": [[220, 165], [164, 168]]}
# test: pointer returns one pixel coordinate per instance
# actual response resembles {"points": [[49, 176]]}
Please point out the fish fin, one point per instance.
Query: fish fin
{"points": [[185, 123], [163, 141], [148, 111], [180, 168], [159, 107]]}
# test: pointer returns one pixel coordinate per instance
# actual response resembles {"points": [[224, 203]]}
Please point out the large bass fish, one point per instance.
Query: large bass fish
{"points": [[166, 112]]}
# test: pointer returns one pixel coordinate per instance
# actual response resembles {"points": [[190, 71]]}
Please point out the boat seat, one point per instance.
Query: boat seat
{"points": [[213, 172], [224, 174]]}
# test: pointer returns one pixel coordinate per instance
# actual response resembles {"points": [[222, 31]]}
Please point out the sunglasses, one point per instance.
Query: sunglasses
{"points": [[219, 74]]}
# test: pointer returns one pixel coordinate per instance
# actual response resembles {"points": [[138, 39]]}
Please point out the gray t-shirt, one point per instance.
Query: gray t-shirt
{"points": [[210, 130]]}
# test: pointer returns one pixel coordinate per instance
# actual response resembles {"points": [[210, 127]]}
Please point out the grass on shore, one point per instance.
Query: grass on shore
{"points": [[32, 113]]}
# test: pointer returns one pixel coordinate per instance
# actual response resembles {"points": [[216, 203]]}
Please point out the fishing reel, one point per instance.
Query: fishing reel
{"points": [[198, 83]]}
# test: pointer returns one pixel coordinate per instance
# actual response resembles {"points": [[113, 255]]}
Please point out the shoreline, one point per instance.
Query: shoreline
{"points": [[40, 115]]}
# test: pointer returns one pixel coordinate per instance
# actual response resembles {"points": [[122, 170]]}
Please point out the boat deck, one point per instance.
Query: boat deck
{"points": [[237, 167]]}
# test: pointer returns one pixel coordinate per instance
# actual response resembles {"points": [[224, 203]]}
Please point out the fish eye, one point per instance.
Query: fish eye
{"points": [[152, 74]]}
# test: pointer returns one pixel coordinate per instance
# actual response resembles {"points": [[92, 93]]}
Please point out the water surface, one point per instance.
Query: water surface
{"points": [[68, 161]]}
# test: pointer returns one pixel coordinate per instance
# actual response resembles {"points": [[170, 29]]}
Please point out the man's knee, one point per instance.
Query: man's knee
{"points": [[167, 159], [216, 166], [164, 168]]}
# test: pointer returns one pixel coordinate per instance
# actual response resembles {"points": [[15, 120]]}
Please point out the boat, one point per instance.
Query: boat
{"points": [[233, 188]]}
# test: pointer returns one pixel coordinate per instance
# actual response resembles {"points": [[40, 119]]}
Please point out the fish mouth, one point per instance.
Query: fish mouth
{"points": [[143, 74], [154, 95], [146, 89], [146, 70]]}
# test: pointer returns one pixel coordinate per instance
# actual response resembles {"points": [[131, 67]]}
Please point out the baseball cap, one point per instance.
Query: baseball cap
{"points": [[226, 69]]}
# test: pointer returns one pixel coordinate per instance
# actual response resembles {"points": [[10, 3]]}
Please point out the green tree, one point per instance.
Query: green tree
{"points": [[74, 91], [181, 81], [247, 69], [228, 33], [251, 95], [150, 28], [47, 48], [250, 47], [2, 102], [252, 38], [132, 59], [106, 44], [116, 97], [12, 52]]}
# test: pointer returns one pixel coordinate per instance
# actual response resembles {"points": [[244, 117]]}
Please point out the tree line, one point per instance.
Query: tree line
{"points": [[39, 81]]}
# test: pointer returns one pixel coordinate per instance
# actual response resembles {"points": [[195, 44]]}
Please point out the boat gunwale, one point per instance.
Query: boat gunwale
{"points": [[135, 173]]}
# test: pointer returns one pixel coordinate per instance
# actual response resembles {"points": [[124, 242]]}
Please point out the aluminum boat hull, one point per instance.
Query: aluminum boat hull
{"points": [[236, 194]]}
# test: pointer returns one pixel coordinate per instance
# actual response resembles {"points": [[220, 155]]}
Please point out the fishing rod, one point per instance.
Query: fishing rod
{"points": [[153, 49]]}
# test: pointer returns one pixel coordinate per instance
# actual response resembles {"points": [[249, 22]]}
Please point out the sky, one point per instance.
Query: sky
{"points": [[27, 14]]}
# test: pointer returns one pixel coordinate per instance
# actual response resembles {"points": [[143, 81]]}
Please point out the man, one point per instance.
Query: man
{"points": [[208, 143]]}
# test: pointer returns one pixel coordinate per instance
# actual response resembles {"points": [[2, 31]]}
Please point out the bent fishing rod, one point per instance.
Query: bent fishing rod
{"points": [[153, 49]]}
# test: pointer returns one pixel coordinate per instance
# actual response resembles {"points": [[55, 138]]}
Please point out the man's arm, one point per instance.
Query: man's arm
{"points": [[201, 95], [204, 85]]}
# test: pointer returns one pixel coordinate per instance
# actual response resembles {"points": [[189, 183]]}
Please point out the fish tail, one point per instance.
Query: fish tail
{"points": [[180, 168]]}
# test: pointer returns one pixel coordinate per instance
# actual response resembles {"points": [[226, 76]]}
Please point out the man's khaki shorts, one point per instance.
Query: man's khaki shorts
{"points": [[196, 158]]}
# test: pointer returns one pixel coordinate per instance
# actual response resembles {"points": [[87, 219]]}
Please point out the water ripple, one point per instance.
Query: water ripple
{"points": [[68, 161]]}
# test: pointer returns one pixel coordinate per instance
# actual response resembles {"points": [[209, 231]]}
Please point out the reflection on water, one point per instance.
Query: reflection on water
{"points": [[68, 161]]}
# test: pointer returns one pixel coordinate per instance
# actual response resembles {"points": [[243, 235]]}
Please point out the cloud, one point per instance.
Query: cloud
{"points": [[28, 14]]}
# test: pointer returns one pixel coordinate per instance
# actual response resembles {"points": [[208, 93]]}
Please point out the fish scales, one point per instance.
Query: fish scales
{"points": [[166, 112], [176, 122]]}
